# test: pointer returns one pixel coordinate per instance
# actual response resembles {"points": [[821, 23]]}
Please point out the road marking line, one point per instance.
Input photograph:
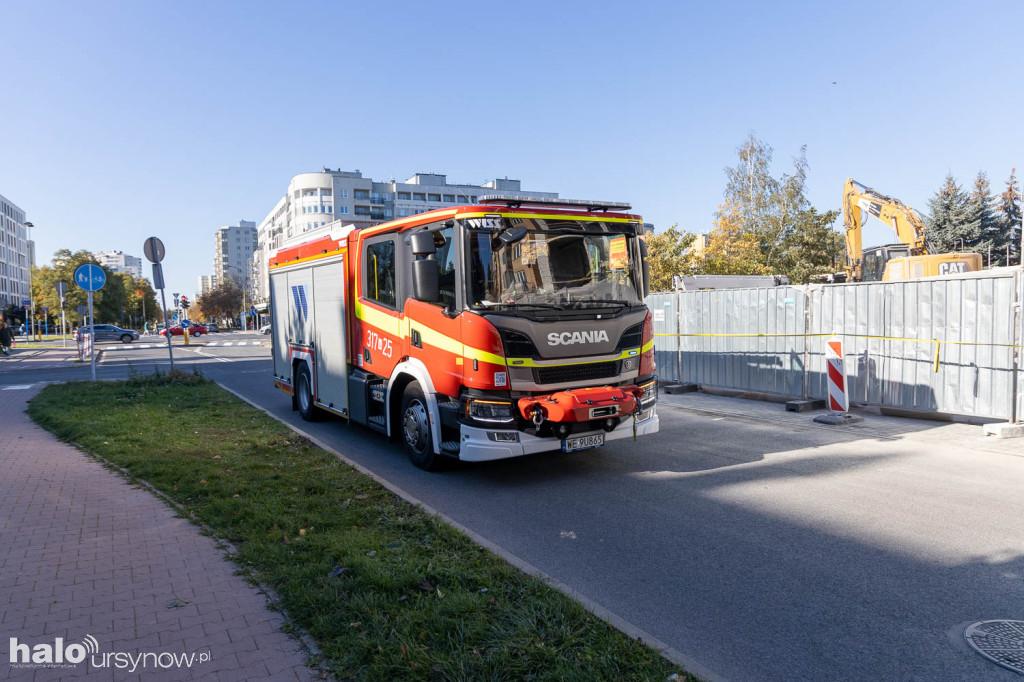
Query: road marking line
{"points": [[228, 343], [208, 355], [19, 387]]}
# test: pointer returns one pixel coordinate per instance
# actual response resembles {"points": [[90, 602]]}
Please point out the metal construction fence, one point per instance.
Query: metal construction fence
{"points": [[944, 345]]}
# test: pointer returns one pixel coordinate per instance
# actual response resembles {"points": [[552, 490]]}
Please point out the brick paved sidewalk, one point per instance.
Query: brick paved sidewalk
{"points": [[84, 553]]}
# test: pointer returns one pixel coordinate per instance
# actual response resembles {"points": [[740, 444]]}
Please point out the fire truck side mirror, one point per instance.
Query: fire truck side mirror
{"points": [[425, 286], [422, 243], [646, 267]]}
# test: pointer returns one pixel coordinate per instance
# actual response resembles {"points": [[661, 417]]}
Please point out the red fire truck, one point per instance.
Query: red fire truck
{"points": [[478, 332]]}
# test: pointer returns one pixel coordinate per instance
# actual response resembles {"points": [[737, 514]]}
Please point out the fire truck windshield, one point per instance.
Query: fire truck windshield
{"points": [[564, 264]]}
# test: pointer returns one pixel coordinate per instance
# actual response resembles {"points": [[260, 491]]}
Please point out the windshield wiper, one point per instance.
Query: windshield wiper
{"points": [[604, 301]]}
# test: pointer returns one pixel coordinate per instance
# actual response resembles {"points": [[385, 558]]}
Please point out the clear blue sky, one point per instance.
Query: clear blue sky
{"points": [[123, 120]]}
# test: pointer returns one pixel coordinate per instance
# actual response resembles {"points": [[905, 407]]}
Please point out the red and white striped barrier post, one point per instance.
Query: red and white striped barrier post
{"points": [[838, 398], [838, 392]]}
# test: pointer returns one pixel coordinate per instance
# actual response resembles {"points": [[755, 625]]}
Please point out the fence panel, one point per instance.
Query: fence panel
{"points": [[891, 333], [772, 363], [665, 313]]}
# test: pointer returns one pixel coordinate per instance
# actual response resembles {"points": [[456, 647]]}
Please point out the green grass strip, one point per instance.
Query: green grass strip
{"points": [[417, 599]]}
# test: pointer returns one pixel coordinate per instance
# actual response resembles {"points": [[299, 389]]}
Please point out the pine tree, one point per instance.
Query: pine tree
{"points": [[982, 209], [1008, 214], [951, 226]]}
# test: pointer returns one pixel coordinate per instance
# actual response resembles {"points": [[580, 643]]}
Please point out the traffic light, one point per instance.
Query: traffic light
{"points": [[185, 302]]}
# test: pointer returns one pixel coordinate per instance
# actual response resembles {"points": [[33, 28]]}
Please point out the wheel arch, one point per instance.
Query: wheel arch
{"points": [[404, 374]]}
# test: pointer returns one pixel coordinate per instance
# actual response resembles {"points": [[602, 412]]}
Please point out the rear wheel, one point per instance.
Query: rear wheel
{"points": [[417, 435], [304, 395]]}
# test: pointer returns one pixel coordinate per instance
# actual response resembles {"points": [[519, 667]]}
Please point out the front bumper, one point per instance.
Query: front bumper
{"points": [[476, 446]]}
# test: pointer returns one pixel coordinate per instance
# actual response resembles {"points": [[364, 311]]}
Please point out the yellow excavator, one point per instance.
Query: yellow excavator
{"points": [[908, 259]]}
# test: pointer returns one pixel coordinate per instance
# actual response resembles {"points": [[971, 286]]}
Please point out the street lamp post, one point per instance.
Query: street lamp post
{"points": [[31, 298]]}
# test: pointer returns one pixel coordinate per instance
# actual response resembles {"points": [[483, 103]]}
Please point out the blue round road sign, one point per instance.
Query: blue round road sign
{"points": [[90, 277]]}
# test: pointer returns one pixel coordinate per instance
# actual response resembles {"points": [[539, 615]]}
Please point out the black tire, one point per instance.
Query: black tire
{"points": [[304, 395], [416, 433], [126, 338]]}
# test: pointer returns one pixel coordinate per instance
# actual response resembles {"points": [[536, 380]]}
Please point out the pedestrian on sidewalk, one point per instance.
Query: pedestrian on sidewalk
{"points": [[6, 337]]}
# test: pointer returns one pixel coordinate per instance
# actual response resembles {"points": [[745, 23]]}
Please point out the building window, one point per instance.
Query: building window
{"points": [[404, 196], [450, 198], [309, 192], [325, 192], [330, 209], [343, 193], [433, 197], [361, 194], [362, 210], [343, 209], [380, 273], [419, 196]]}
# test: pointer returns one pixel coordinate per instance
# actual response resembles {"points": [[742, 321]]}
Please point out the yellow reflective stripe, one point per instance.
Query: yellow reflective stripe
{"points": [[398, 224], [318, 256], [383, 321], [529, 362], [482, 355], [401, 328], [588, 218], [647, 346]]}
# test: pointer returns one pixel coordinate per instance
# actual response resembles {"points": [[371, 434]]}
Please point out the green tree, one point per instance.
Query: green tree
{"points": [[1008, 216], [731, 248], [812, 247], [982, 210], [670, 253], [224, 300], [767, 207], [952, 225]]}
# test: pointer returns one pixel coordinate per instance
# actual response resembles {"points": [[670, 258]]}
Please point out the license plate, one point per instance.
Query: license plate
{"points": [[595, 440]]}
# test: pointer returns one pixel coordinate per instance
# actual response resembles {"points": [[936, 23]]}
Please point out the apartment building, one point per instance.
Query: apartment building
{"points": [[234, 246], [314, 201], [206, 283], [17, 254], [118, 261]]}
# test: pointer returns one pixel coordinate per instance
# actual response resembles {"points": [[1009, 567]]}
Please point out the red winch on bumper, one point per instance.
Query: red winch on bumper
{"points": [[581, 404]]}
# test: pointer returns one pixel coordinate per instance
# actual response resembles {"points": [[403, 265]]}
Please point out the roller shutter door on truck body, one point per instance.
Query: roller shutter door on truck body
{"points": [[330, 337], [280, 304]]}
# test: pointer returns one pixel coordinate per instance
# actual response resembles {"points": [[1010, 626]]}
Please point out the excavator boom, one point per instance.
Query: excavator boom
{"points": [[909, 258]]}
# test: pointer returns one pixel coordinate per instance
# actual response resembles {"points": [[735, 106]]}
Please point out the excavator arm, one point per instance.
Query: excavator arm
{"points": [[905, 222]]}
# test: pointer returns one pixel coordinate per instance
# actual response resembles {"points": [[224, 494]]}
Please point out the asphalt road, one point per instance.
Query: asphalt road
{"points": [[758, 544]]}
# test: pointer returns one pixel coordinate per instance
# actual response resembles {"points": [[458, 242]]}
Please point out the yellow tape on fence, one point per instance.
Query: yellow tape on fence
{"points": [[937, 342]]}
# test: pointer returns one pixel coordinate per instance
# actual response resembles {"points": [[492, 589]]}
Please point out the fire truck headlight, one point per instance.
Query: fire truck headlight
{"points": [[497, 411], [650, 394]]}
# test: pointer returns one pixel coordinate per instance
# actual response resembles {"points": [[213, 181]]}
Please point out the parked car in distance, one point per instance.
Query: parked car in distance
{"points": [[265, 329], [195, 331], [212, 328], [107, 332]]}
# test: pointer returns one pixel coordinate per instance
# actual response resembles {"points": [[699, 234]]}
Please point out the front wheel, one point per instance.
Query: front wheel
{"points": [[126, 338], [304, 395], [416, 431], [196, 335]]}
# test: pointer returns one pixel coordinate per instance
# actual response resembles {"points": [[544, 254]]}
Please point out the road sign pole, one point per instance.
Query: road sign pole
{"points": [[92, 338], [63, 327], [167, 327]]}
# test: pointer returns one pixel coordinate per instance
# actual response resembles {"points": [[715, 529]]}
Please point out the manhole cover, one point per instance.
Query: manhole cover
{"points": [[1000, 641]]}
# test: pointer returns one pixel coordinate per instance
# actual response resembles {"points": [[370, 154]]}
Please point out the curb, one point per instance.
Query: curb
{"points": [[621, 624]]}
